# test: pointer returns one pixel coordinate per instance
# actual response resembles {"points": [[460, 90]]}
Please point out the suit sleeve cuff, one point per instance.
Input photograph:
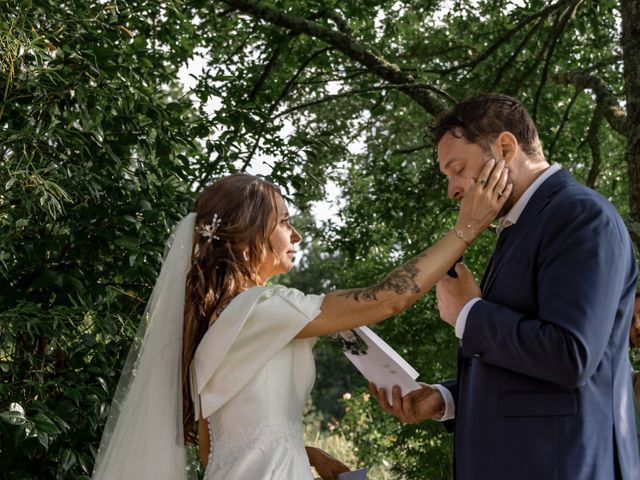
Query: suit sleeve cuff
{"points": [[461, 321], [449, 404]]}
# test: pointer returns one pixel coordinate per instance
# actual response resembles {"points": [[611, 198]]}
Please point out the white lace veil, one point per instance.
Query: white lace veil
{"points": [[143, 436]]}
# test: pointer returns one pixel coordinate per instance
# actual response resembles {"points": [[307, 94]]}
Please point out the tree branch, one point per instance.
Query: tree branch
{"points": [[613, 112], [563, 122], [516, 52], [340, 22], [594, 144], [536, 61], [269, 66], [358, 91], [407, 151], [631, 56], [273, 106], [318, 78], [348, 46], [287, 88], [506, 36], [557, 34], [241, 46]]}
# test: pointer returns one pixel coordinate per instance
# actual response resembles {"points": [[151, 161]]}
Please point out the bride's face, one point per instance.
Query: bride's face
{"points": [[282, 240]]}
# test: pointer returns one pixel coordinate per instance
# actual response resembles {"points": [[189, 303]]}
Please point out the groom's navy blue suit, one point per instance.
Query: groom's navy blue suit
{"points": [[543, 389]]}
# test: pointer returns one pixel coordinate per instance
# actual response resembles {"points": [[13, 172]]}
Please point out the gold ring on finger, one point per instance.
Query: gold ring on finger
{"points": [[482, 182]]}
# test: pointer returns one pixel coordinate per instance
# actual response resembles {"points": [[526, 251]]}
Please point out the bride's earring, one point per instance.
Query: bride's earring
{"points": [[245, 255]]}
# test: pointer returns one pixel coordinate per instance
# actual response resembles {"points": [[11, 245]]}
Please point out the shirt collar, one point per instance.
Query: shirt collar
{"points": [[514, 214]]}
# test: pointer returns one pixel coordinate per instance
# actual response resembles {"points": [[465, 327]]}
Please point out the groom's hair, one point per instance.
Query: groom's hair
{"points": [[481, 118]]}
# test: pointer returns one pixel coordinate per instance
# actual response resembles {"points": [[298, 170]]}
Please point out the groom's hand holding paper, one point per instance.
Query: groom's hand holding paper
{"points": [[424, 403], [377, 361]]}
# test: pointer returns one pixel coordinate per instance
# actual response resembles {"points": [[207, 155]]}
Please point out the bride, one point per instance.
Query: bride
{"points": [[225, 361]]}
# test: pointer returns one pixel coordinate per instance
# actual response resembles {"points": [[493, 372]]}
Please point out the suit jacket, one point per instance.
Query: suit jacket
{"points": [[543, 389]]}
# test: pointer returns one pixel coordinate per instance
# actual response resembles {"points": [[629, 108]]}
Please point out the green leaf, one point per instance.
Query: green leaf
{"points": [[13, 418], [43, 438], [144, 205], [85, 461], [103, 384], [67, 459], [45, 424]]}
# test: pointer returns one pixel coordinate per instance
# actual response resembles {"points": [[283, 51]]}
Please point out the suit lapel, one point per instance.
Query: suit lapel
{"points": [[509, 237], [498, 258], [487, 270]]}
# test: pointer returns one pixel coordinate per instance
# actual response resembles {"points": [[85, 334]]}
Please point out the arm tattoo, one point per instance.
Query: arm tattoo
{"points": [[400, 281]]}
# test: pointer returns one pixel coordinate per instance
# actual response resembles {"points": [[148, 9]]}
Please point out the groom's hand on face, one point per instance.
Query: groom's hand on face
{"points": [[422, 404], [454, 293]]}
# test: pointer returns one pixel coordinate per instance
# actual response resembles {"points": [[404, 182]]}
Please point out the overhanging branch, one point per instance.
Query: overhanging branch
{"points": [[594, 144], [616, 115], [348, 46], [506, 65], [274, 105], [557, 34], [507, 36], [273, 59], [358, 91], [563, 122]]}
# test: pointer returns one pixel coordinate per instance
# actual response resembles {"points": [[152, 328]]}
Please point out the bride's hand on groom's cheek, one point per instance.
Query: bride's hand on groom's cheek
{"points": [[422, 404]]}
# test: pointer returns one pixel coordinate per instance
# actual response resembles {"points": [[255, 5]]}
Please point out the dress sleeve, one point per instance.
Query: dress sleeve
{"points": [[253, 328], [307, 304]]}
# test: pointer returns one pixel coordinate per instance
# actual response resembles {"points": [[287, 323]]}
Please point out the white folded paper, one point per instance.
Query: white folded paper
{"points": [[377, 361]]}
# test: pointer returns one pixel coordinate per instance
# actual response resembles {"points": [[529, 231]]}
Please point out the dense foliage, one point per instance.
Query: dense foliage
{"points": [[94, 154], [102, 147]]}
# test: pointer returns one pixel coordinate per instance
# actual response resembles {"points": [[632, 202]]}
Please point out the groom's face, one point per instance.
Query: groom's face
{"points": [[462, 162]]}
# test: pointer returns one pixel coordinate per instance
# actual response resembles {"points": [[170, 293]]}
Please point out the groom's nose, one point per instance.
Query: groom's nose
{"points": [[455, 191]]}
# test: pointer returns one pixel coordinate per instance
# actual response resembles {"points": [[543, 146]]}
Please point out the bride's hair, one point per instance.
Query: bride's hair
{"points": [[235, 217]]}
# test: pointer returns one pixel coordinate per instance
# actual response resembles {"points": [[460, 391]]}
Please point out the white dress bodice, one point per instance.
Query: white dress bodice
{"points": [[256, 428], [260, 428]]}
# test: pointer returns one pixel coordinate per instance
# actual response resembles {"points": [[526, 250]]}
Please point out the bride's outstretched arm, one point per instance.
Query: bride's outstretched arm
{"points": [[346, 309]]}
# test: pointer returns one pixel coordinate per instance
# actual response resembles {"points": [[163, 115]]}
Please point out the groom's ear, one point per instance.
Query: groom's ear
{"points": [[507, 145]]}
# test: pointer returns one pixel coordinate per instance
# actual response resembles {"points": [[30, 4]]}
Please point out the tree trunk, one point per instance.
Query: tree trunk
{"points": [[631, 55]]}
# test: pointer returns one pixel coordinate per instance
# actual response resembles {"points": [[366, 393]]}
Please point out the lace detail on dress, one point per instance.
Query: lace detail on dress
{"points": [[263, 437]]}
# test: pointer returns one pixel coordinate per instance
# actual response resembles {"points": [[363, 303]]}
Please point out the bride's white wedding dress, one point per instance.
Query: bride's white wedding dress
{"points": [[253, 377]]}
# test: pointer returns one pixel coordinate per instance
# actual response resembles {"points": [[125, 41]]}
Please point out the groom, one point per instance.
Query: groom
{"points": [[543, 389]]}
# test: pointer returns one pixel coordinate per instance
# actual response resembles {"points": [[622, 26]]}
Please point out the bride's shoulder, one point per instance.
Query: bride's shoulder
{"points": [[266, 292], [280, 295], [262, 298]]}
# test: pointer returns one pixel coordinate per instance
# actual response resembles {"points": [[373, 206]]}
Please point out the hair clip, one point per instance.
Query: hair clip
{"points": [[209, 230]]}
